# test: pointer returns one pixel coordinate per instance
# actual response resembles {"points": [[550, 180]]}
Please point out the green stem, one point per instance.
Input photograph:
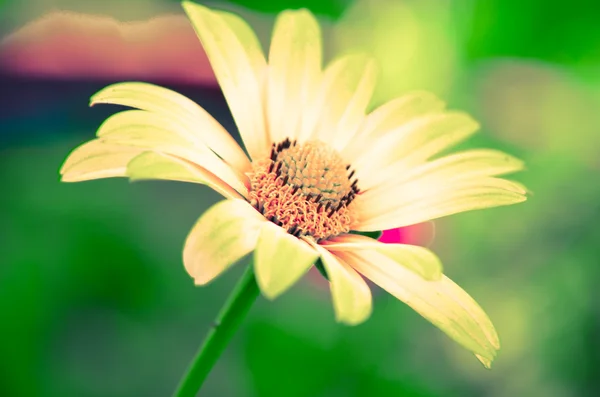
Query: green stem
{"points": [[229, 319]]}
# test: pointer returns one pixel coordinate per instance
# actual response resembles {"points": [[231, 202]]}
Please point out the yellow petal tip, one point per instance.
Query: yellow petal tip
{"points": [[199, 282], [270, 295], [357, 319], [268, 290], [190, 6], [487, 362]]}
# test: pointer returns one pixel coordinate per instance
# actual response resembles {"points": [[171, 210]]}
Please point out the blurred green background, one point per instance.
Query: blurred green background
{"points": [[94, 300]]}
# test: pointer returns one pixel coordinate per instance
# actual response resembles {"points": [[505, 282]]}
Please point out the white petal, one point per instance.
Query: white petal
{"points": [[417, 259], [129, 126], [280, 259], [452, 168], [417, 202], [156, 132], [152, 165], [390, 116], [341, 102], [415, 142], [442, 302], [222, 236], [201, 127], [239, 65], [95, 160], [294, 71], [351, 295]]}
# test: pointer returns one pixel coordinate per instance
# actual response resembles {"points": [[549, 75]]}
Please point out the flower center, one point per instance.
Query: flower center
{"points": [[306, 189]]}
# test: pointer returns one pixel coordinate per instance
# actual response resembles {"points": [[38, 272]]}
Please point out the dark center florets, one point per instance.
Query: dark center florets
{"points": [[306, 189]]}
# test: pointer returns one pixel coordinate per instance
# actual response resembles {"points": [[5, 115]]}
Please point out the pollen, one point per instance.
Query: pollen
{"points": [[306, 189]]}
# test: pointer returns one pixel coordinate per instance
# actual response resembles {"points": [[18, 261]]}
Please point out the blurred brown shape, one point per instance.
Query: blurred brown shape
{"points": [[74, 45]]}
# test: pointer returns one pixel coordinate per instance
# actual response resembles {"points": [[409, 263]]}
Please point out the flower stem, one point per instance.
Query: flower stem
{"points": [[233, 312]]}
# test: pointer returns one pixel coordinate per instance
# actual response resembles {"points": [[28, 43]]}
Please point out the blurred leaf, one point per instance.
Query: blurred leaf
{"points": [[321, 269], [373, 235], [328, 8], [571, 40]]}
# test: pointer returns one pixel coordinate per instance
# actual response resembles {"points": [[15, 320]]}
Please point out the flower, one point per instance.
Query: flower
{"points": [[320, 169]]}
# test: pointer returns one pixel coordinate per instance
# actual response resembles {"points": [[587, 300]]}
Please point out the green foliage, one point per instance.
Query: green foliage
{"points": [[374, 235], [321, 268], [328, 8]]}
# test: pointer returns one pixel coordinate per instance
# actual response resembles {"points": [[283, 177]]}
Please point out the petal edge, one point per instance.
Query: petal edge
{"points": [[224, 234], [280, 259]]}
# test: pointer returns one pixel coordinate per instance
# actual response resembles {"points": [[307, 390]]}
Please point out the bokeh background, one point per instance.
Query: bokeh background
{"points": [[94, 300]]}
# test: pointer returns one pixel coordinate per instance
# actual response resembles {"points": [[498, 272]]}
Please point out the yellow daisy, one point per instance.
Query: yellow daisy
{"points": [[319, 167]]}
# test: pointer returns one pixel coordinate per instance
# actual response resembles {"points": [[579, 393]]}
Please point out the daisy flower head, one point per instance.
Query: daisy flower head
{"points": [[318, 169]]}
